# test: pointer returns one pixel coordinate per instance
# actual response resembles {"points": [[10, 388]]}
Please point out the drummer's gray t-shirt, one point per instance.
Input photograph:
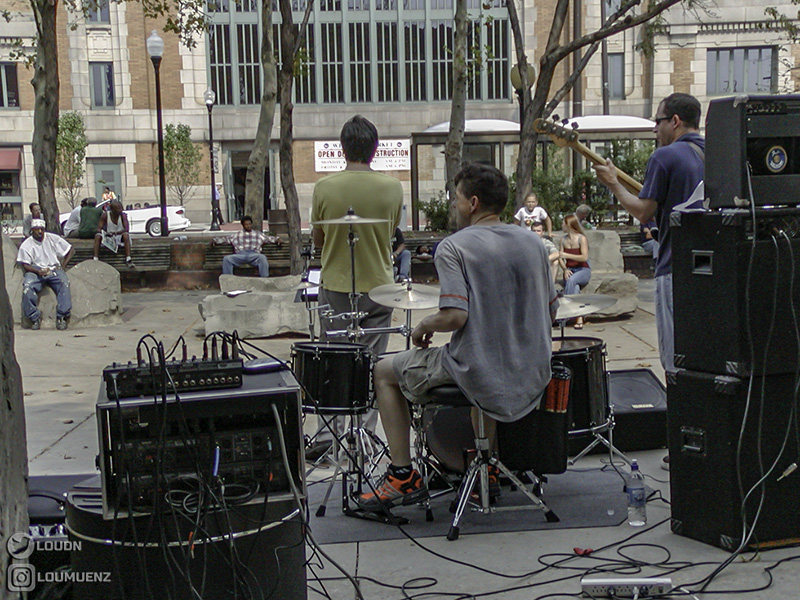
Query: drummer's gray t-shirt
{"points": [[499, 274]]}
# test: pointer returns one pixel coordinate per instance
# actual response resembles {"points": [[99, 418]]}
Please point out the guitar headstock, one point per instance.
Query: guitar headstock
{"points": [[560, 135]]}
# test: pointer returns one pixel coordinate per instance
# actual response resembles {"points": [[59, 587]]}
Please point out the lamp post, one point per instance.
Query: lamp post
{"points": [[209, 96], [155, 48]]}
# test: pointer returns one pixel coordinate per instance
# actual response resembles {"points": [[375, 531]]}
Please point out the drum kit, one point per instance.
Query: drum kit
{"points": [[337, 375], [337, 379]]}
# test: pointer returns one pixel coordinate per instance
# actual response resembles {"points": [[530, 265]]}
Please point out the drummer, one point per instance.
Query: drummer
{"points": [[371, 195], [498, 299]]}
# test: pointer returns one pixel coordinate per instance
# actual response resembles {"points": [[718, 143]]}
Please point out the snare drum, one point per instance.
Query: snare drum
{"points": [[588, 395], [336, 375]]}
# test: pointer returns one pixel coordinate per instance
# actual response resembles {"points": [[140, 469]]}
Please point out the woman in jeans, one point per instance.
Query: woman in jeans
{"points": [[575, 251]]}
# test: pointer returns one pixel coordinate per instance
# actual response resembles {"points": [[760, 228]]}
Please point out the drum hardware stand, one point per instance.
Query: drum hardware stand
{"points": [[426, 464], [597, 432], [478, 472]]}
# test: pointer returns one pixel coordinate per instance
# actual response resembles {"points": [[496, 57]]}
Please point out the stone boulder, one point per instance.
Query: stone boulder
{"points": [[94, 286], [268, 309]]}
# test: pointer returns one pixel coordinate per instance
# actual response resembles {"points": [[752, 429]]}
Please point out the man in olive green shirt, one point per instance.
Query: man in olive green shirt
{"points": [[90, 217], [371, 195]]}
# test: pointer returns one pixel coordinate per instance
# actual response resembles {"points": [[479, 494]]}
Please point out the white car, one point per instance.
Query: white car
{"points": [[148, 220]]}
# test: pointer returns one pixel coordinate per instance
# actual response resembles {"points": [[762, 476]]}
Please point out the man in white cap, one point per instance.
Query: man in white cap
{"points": [[44, 256]]}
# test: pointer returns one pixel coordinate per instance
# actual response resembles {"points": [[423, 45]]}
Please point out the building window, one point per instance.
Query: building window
{"points": [[332, 64], [414, 45], [497, 70], [741, 70], [388, 68], [97, 12], [364, 51], [102, 84], [616, 75], [442, 62], [360, 74], [9, 90], [249, 63]]}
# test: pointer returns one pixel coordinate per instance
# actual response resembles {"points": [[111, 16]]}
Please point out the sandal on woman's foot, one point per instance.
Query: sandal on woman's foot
{"points": [[578, 326]]}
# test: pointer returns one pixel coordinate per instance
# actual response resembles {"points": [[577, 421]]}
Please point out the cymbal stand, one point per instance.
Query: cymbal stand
{"points": [[307, 252]]}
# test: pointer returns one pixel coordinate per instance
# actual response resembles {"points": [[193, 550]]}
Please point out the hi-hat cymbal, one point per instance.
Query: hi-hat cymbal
{"points": [[350, 219], [579, 305], [405, 296]]}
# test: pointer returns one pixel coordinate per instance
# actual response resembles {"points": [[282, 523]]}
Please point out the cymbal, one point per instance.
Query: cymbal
{"points": [[405, 296], [579, 305], [350, 219]]}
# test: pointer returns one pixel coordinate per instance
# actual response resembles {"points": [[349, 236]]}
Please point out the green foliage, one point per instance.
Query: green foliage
{"points": [[560, 194], [71, 145], [181, 161], [437, 212]]}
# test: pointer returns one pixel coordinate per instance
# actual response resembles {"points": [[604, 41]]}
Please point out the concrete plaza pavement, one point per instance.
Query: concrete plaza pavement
{"points": [[62, 375]]}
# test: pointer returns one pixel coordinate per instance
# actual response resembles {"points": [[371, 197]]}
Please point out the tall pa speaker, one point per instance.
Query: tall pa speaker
{"points": [[705, 414], [762, 132], [719, 308]]}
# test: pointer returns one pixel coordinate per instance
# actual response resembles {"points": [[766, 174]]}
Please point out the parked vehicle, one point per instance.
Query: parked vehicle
{"points": [[148, 219]]}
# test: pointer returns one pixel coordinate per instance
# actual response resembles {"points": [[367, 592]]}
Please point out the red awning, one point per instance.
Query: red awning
{"points": [[10, 159]]}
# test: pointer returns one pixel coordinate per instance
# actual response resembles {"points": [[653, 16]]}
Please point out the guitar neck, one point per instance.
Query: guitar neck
{"points": [[633, 186]]}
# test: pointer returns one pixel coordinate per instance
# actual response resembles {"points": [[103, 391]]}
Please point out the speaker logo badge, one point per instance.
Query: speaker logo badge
{"points": [[776, 159]]}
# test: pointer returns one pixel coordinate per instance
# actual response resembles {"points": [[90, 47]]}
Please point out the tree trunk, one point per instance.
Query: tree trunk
{"points": [[455, 137], [527, 145], [13, 449], [257, 163], [45, 111], [291, 40]]}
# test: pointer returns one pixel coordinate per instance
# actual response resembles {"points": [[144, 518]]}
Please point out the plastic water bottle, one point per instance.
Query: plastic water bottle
{"points": [[637, 497]]}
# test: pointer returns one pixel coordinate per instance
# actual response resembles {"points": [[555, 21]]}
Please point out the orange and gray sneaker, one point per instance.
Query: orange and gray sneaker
{"points": [[391, 491]]}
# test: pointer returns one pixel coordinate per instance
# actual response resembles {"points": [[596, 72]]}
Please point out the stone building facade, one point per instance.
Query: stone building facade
{"points": [[387, 60]]}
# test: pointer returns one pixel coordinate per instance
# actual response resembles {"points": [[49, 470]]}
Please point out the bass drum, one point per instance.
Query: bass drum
{"points": [[448, 431], [588, 394], [336, 376]]}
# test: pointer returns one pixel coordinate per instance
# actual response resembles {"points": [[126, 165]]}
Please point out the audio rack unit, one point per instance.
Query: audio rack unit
{"points": [[140, 379], [152, 449]]}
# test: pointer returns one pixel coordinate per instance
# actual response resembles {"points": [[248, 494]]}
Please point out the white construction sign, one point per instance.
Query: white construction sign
{"points": [[391, 155]]}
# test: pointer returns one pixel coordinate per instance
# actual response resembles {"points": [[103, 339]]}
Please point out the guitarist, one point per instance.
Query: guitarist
{"points": [[673, 172]]}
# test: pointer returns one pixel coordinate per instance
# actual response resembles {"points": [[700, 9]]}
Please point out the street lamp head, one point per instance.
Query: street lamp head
{"points": [[210, 97], [516, 77], [155, 46]]}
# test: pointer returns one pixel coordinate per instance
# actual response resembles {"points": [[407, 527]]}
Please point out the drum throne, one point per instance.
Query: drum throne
{"points": [[534, 446]]}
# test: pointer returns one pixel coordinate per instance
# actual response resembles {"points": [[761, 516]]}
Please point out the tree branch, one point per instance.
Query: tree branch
{"points": [[564, 90], [613, 26]]}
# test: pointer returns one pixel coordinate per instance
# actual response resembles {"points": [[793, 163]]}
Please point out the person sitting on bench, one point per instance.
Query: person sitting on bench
{"points": [[247, 248], [112, 231]]}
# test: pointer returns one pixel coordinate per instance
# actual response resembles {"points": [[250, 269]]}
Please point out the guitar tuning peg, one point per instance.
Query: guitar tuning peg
{"points": [[574, 125], [556, 118]]}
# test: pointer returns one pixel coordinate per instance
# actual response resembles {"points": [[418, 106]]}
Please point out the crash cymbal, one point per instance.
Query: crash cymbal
{"points": [[407, 296], [579, 305], [350, 219]]}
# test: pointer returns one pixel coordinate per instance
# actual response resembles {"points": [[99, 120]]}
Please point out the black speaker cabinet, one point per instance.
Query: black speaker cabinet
{"points": [[705, 415], [762, 132], [254, 550], [639, 401], [716, 310]]}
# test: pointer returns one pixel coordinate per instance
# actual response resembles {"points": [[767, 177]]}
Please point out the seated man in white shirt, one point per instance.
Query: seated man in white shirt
{"points": [[44, 256], [74, 221]]}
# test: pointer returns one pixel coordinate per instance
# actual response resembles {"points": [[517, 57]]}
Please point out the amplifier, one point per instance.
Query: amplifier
{"points": [[762, 132], [250, 551], [716, 312], [706, 413], [154, 453], [134, 380]]}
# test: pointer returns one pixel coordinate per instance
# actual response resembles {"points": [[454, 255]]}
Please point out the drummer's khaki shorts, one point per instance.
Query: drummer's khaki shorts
{"points": [[418, 370]]}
